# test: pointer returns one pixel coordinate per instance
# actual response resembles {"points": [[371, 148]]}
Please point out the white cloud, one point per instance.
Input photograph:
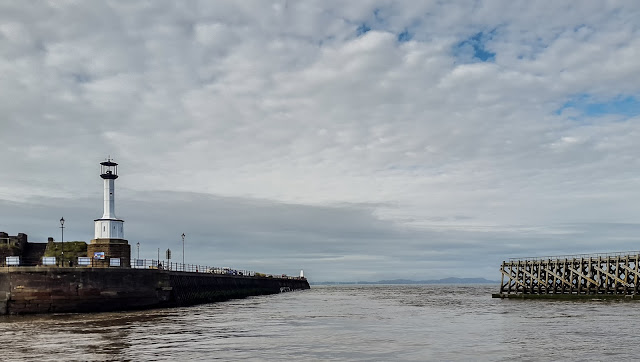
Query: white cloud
{"points": [[286, 102]]}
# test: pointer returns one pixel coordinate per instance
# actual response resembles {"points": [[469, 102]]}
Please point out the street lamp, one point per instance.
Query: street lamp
{"points": [[183, 250], [138, 244], [62, 237]]}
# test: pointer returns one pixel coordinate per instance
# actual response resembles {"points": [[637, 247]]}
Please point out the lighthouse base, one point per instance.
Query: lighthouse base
{"points": [[103, 250]]}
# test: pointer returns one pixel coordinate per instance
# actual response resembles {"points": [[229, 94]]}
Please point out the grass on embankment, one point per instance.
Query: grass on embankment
{"points": [[72, 249]]}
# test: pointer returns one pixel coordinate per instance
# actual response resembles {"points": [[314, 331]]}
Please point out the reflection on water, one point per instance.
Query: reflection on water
{"points": [[337, 323]]}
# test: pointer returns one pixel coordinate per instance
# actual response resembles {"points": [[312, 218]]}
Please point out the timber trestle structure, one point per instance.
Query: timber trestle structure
{"points": [[577, 276]]}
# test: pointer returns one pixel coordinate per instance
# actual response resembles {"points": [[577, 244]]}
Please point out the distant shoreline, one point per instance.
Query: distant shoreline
{"points": [[414, 282]]}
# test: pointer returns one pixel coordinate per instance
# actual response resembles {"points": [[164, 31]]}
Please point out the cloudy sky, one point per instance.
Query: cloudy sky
{"points": [[358, 140]]}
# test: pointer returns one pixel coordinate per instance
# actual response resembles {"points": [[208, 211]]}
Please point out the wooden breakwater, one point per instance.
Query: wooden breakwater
{"points": [[588, 276]]}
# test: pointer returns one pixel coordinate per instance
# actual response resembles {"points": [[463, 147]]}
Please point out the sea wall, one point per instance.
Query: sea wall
{"points": [[195, 288], [27, 290]]}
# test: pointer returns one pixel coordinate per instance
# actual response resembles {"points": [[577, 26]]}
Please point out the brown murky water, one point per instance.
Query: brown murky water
{"points": [[337, 323]]}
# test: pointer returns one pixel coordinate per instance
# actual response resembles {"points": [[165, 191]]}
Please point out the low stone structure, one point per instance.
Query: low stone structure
{"points": [[17, 241], [112, 248], [28, 290], [12, 245]]}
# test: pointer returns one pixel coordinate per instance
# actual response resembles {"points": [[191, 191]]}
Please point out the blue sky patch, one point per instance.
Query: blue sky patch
{"points": [[474, 48], [362, 29], [622, 105], [404, 36]]}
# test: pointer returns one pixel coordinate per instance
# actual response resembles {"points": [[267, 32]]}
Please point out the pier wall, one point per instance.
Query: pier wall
{"points": [[589, 276], [194, 288], [26, 290]]}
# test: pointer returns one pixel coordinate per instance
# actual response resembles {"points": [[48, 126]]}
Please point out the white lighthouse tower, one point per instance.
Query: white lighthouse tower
{"points": [[109, 248], [109, 226]]}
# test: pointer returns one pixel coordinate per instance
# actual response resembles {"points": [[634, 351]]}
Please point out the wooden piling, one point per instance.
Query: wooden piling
{"points": [[579, 276]]}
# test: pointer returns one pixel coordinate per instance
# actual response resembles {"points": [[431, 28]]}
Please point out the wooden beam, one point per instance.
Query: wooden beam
{"points": [[502, 285], [512, 278], [558, 276], [611, 276], [584, 276], [534, 277], [629, 269]]}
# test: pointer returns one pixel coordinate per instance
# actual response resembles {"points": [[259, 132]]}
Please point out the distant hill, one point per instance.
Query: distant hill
{"points": [[406, 281]]}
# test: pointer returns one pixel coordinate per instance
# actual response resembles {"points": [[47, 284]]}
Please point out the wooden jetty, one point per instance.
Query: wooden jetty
{"points": [[583, 276]]}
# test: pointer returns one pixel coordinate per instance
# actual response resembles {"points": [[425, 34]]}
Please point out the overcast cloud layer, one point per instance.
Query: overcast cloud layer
{"points": [[358, 140]]}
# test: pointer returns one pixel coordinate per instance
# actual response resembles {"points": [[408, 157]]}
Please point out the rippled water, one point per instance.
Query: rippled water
{"points": [[365, 323]]}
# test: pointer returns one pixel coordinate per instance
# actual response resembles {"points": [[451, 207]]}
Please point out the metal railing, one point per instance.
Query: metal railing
{"points": [[189, 268], [166, 265], [578, 256]]}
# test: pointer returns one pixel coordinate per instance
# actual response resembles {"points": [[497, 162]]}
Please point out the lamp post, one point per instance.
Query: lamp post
{"points": [[62, 237], [138, 245], [183, 250]]}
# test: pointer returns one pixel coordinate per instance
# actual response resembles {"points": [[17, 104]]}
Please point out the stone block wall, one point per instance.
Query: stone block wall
{"points": [[27, 290], [112, 248], [11, 245], [18, 240], [196, 288]]}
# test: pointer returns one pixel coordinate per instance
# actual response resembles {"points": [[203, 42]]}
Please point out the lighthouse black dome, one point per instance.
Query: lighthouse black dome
{"points": [[109, 175]]}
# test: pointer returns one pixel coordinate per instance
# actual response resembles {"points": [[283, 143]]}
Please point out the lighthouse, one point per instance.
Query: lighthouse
{"points": [[109, 248], [109, 226]]}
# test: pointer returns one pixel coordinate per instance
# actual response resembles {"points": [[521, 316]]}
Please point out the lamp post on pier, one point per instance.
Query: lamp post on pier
{"points": [[62, 237], [183, 250], [138, 245]]}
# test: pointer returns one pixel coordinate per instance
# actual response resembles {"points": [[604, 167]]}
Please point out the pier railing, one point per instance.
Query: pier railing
{"points": [[156, 265], [577, 256], [190, 268]]}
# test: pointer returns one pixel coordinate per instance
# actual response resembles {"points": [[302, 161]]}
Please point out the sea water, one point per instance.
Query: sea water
{"points": [[338, 323]]}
